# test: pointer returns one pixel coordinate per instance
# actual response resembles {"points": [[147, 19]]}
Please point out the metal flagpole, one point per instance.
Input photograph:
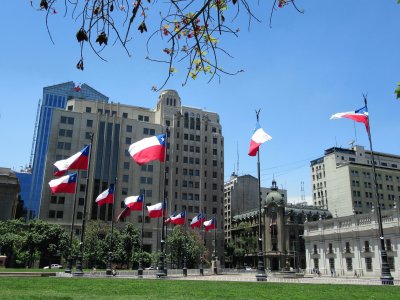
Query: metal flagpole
{"points": [[140, 267], [161, 261], [386, 277], [68, 269], [110, 253], [261, 276], [215, 247], [184, 269], [79, 270]]}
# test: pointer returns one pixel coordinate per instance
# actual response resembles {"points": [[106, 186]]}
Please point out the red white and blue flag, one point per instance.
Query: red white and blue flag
{"points": [[359, 115], [134, 202], [210, 224], [197, 221], [148, 149], [259, 137], [106, 197], [178, 219], [78, 161], [168, 220], [126, 212], [65, 184], [156, 210]]}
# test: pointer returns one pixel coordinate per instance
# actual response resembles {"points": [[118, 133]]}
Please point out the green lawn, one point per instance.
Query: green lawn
{"points": [[106, 288]]}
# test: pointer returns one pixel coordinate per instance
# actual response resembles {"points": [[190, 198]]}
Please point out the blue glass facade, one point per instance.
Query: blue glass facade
{"points": [[54, 97], [25, 183]]}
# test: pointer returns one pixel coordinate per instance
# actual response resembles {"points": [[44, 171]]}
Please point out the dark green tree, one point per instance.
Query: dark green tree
{"points": [[179, 240]]}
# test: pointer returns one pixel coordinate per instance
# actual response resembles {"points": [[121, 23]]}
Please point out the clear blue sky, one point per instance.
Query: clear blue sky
{"points": [[299, 72]]}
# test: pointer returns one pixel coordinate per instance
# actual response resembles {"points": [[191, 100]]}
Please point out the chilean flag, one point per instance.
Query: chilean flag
{"points": [[65, 184], [78, 161], [197, 220], [210, 224], [156, 210], [359, 115], [148, 149], [134, 202], [259, 137], [179, 219], [106, 197], [126, 212]]}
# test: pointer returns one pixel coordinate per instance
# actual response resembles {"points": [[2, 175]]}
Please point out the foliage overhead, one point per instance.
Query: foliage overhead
{"points": [[397, 91], [190, 31]]}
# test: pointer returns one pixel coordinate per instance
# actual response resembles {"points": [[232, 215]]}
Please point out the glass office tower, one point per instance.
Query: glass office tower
{"points": [[54, 96]]}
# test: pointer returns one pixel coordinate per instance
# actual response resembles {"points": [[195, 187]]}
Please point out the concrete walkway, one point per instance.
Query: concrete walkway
{"points": [[239, 277]]}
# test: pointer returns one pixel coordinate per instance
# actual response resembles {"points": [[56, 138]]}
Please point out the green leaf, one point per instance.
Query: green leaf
{"points": [[397, 91]]}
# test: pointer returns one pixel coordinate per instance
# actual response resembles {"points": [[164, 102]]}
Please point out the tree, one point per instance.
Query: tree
{"points": [[26, 243], [397, 91], [180, 240], [189, 31], [126, 241], [95, 245]]}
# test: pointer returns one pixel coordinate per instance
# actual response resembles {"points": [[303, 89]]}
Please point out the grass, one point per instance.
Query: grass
{"points": [[106, 288]]}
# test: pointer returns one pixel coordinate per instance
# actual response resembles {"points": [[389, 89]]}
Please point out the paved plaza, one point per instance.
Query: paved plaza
{"points": [[243, 277]]}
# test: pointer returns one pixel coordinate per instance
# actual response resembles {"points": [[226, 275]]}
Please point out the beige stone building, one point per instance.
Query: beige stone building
{"points": [[342, 180], [240, 196], [9, 194], [193, 169]]}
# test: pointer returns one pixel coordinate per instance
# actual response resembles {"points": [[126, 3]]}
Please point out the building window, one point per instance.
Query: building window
{"points": [[79, 215], [128, 140], [60, 214], [88, 109], [390, 261], [89, 123], [52, 214], [82, 188], [349, 264], [332, 263], [316, 264], [61, 200], [125, 178], [53, 199], [88, 135], [126, 165], [128, 128], [368, 263], [81, 201]]}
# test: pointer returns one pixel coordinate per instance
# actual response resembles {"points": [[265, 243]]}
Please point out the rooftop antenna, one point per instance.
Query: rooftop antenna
{"points": [[303, 196], [237, 154], [351, 143], [34, 135]]}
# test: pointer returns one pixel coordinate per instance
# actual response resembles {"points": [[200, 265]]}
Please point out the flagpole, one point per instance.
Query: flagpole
{"points": [[202, 234], [386, 277], [261, 276], [215, 247], [110, 253], [161, 261], [184, 270], [68, 269], [79, 259], [140, 267]]}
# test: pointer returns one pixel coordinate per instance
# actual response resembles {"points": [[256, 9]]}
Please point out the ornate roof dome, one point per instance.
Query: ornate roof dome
{"points": [[274, 195]]}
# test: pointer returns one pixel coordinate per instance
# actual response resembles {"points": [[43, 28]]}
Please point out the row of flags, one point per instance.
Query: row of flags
{"points": [[153, 148], [260, 136]]}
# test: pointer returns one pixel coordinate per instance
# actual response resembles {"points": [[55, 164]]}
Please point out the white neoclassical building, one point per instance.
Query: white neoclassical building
{"points": [[350, 245]]}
